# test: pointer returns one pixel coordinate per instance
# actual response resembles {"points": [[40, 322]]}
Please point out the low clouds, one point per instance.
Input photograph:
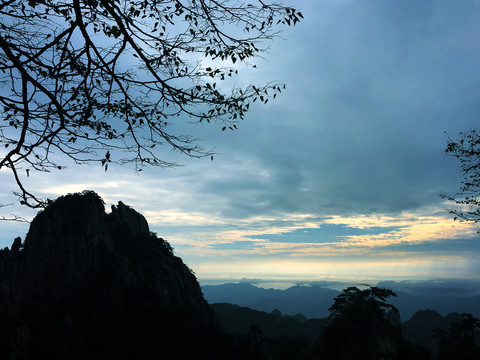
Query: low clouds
{"points": [[434, 288]]}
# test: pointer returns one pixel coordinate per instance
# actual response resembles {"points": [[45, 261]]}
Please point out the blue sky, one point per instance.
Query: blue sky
{"points": [[340, 176]]}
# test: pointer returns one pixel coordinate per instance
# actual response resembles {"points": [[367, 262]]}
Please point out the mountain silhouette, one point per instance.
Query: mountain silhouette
{"points": [[235, 319], [420, 329], [90, 285], [311, 301]]}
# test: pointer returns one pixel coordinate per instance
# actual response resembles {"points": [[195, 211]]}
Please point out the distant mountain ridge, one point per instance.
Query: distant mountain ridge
{"points": [[313, 301]]}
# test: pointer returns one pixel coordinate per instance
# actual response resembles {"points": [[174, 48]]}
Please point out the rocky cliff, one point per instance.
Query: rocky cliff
{"points": [[424, 326], [87, 284]]}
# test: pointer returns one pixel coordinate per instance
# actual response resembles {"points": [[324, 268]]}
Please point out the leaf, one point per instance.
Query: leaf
{"points": [[115, 31]]}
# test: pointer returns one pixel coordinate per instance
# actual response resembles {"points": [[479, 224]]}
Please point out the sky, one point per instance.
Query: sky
{"points": [[339, 177]]}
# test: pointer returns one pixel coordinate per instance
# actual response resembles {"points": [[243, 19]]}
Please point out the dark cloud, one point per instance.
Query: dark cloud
{"points": [[360, 129], [437, 247], [326, 233]]}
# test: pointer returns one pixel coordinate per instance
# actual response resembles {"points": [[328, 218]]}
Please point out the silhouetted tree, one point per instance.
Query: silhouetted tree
{"points": [[466, 148], [354, 301], [359, 327], [463, 342], [110, 81]]}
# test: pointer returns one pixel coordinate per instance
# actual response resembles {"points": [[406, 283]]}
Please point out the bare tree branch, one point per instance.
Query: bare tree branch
{"points": [[112, 81], [12, 216]]}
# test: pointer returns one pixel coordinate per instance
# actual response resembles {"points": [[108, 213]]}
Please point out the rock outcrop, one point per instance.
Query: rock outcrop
{"points": [[88, 285], [424, 325]]}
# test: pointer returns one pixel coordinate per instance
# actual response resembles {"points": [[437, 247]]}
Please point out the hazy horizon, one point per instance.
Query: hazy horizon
{"points": [[470, 285], [313, 299]]}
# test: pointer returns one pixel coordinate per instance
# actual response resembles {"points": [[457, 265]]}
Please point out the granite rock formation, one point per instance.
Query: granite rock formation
{"points": [[87, 284], [424, 325]]}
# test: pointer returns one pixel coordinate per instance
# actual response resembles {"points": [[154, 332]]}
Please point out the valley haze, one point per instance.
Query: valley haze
{"points": [[313, 299]]}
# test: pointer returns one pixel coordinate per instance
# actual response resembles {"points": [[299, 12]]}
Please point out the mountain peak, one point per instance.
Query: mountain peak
{"points": [[98, 285]]}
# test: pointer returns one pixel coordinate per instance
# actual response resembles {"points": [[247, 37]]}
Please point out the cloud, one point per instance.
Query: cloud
{"points": [[250, 281], [434, 288], [358, 130], [355, 270], [303, 238]]}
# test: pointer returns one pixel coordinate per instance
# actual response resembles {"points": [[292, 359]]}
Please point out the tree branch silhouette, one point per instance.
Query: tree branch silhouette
{"points": [[12, 216], [466, 148], [108, 82]]}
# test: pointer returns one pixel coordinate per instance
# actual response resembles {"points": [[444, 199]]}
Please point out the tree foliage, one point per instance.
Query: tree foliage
{"points": [[111, 80], [462, 341], [466, 148], [359, 327], [356, 302]]}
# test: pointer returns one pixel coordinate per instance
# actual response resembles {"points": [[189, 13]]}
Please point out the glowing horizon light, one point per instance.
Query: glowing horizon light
{"points": [[350, 270]]}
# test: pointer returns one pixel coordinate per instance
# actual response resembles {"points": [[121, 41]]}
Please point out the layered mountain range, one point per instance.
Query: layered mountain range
{"points": [[313, 300], [85, 284]]}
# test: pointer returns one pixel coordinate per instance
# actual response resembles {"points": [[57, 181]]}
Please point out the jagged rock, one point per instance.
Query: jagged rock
{"points": [[421, 328], [394, 317], [131, 221], [91, 285]]}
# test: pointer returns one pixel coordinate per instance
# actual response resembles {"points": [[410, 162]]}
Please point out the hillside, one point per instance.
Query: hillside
{"points": [[235, 319], [86, 284], [313, 301]]}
